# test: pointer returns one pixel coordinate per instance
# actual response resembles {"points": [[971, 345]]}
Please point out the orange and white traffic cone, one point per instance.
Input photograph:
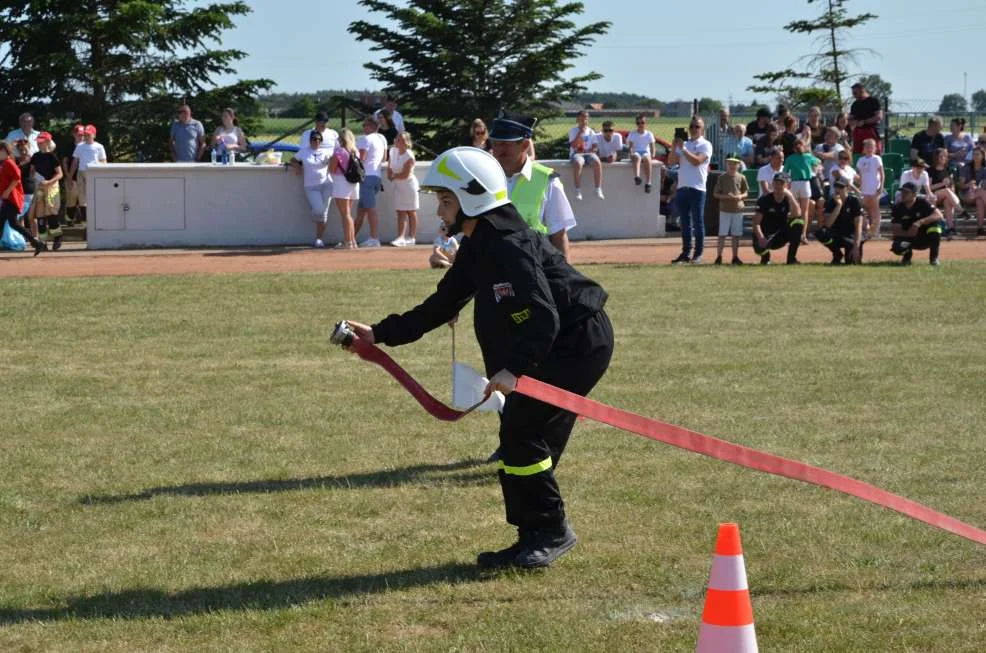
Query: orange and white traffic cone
{"points": [[727, 620]]}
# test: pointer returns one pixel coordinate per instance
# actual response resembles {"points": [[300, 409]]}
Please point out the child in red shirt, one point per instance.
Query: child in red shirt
{"points": [[12, 194]]}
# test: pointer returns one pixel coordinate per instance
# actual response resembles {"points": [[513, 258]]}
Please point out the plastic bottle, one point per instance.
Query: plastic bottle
{"points": [[214, 156]]}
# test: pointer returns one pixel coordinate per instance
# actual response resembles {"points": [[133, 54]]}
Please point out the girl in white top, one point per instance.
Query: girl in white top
{"points": [[870, 167], [641, 144], [313, 162], [230, 135], [401, 173], [343, 191]]}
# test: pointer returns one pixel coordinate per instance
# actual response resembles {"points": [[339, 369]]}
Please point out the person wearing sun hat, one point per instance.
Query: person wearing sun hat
{"points": [[47, 198], [534, 315], [535, 189], [731, 190]]}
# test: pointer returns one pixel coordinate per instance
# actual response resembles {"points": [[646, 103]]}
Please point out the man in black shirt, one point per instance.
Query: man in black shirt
{"points": [[916, 224], [865, 116], [842, 231], [757, 129], [926, 141], [534, 315], [777, 222]]}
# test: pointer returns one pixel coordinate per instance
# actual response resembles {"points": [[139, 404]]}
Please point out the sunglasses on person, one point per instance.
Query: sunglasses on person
{"points": [[607, 131], [641, 122]]}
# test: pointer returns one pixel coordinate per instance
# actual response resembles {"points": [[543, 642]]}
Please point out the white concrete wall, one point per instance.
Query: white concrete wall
{"points": [[190, 205]]}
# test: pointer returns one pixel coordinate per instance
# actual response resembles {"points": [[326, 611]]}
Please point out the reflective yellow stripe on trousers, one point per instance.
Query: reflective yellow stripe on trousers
{"points": [[527, 470]]}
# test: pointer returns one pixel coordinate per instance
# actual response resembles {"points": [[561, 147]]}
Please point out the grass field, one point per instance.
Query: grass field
{"points": [[187, 465]]}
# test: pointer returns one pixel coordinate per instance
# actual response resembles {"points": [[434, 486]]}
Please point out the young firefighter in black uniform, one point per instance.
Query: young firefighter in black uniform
{"points": [[535, 316], [777, 222], [842, 227], [916, 224]]}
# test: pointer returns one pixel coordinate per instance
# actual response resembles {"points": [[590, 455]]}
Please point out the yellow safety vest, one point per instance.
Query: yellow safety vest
{"points": [[528, 196]]}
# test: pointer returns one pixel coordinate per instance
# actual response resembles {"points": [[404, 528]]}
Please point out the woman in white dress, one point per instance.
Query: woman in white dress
{"points": [[230, 134], [343, 191], [406, 203]]}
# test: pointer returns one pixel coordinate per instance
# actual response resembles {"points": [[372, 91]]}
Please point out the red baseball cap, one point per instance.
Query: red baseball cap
{"points": [[79, 129], [44, 137], [91, 130]]}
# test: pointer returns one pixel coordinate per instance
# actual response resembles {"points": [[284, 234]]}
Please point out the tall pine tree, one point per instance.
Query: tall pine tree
{"points": [[123, 65], [826, 70], [450, 61]]}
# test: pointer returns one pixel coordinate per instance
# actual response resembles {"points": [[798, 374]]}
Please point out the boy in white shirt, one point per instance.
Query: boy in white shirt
{"points": [[443, 250], [609, 144], [372, 148], [582, 148], [86, 153], [641, 143]]}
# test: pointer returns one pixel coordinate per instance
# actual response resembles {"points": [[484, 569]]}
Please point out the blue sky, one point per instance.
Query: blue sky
{"points": [[667, 50]]}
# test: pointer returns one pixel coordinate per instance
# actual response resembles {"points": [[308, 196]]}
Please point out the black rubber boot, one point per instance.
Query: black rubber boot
{"points": [[545, 546], [504, 557]]}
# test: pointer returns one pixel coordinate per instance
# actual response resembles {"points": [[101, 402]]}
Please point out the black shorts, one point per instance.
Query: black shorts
{"points": [[816, 188]]}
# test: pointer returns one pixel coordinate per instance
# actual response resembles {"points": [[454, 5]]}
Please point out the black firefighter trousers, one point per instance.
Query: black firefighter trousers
{"points": [[533, 434]]}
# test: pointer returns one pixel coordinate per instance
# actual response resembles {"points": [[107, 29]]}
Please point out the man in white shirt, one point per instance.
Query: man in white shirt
{"points": [[372, 148], [26, 131], [549, 211], [582, 148], [693, 156], [395, 116], [609, 144], [641, 142], [329, 136]]}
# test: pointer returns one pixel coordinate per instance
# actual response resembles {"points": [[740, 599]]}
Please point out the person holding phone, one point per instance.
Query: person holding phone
{"points": [[692, 153]]}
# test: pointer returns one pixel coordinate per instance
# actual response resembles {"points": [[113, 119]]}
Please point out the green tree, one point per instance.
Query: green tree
{"points": [[877, 86], [304, 107], [708, 106], [979, 101], [450, 61], [828, 67], [123, 65], [953, 103]]}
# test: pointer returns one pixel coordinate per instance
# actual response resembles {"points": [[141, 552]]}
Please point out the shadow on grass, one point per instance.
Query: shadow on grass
{"points": [[470, 472], [259, 595]]}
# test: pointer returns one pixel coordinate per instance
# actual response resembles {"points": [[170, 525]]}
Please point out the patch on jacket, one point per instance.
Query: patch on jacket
{"points": [[502, 291], [521, 316]]}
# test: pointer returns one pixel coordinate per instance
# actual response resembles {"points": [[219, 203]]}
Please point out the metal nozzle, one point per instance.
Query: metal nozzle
{"points": [[342, 334]]}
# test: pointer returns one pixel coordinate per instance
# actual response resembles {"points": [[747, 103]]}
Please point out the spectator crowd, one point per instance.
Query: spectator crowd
{"points": [[799, 170]]}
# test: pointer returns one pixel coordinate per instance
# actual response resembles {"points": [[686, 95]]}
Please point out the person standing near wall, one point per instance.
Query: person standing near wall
{"points": [[372, 148], [693, 156], [187, 138]]}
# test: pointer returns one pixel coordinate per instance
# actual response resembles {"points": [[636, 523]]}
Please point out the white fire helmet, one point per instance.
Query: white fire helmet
{"points": [[473, 175]]}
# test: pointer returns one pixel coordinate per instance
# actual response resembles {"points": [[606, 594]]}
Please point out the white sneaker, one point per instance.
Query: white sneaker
{"points": [[599, 193], [410, 241], [578, 194], [370, 242], [319, 244], [398, 242]]}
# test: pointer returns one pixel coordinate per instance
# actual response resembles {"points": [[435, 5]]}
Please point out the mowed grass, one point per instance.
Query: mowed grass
{"points": [[188, 465]]}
